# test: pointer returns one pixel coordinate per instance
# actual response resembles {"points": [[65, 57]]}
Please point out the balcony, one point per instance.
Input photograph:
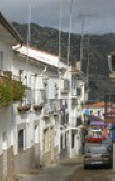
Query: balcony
{"points": [[6, 74], [75, 69]]}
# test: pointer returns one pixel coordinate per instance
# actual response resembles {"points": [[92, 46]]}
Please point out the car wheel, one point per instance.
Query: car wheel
{"points": [[110, 166], [85, 166]]}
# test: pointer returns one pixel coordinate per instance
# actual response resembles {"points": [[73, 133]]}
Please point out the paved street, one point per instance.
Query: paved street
{"points": [[57, 173], [70, 170], [94, 174]]}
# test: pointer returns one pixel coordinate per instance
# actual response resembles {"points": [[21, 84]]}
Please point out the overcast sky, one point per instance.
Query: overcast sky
{"points": [[99, 14]]}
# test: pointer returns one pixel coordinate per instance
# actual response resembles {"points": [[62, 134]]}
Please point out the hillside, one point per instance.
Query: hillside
{"points": [[100, 46]]}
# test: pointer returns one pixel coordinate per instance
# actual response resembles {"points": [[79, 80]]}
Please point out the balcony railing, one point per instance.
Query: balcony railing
{"points": [[9, 75]]}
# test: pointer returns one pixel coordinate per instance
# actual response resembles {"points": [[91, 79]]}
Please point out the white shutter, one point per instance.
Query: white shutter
{"points": [[51, 89], [64, 85], [40, 83]]}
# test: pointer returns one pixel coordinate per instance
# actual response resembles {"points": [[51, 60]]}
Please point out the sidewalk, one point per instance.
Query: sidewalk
{"points": [[57, 173]]}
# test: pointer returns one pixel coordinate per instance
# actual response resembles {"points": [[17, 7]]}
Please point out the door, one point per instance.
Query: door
{"points": [[4, 146], [52, 136]]}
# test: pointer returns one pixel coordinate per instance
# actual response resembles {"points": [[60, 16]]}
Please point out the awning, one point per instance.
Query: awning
{"points": [[86, 112], [95, 118], [97, 123]]}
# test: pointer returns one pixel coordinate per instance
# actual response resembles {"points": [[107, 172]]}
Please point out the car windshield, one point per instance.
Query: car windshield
{"points": [[97, 150]]}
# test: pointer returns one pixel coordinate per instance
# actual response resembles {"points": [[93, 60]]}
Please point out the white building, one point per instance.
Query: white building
{"points": [[40, 124], [72, 99], [9, 38], [39, 127], [28, 122]]}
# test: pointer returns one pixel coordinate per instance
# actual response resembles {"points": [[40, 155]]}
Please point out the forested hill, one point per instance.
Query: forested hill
{"points": [[47, 39]]}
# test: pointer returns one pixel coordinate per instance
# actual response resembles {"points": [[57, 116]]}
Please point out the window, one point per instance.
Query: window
{"points": [[78, 91], [36, 134], [61, 141], [65, 140], [20, 140], [99, 113], [47, 140], [28, 97], [4, 138]]}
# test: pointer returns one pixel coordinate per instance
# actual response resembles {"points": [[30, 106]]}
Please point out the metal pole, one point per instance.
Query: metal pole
{"points": [[70, 110], [81, 42]]}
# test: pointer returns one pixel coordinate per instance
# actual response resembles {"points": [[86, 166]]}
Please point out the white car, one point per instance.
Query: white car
{"points": [[98, 154]]}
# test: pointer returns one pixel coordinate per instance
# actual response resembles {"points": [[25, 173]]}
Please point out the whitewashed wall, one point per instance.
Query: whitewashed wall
{"points": [[6, 121]]}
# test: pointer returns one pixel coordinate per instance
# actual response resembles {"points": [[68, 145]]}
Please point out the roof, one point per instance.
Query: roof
{"points": [[98, 104], [40, 56], [95, 105], [10, 28]]}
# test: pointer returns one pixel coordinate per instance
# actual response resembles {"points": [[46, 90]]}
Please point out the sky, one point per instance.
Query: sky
{"points": [[95, 16]]}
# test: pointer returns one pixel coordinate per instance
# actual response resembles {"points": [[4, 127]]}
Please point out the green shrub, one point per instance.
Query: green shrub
{"points": [[11, 90]]}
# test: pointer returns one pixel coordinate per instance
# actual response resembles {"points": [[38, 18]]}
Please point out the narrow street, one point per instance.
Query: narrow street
{"points": [[70, 170], [61, 172], [95, 174]]}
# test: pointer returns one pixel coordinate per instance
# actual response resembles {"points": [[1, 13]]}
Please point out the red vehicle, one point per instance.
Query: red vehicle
{"points": [[95, 136], [94, 140]]}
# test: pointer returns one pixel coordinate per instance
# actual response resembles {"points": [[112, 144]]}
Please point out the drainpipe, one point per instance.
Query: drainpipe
{"points": [[40, 125]]}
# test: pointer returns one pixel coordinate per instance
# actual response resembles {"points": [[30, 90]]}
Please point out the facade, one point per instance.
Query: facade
{"points": [[41, 122], [71, 134], [9, 38], [28, 136], [43, 125]]}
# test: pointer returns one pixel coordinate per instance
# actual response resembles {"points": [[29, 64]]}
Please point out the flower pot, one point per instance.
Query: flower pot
{"points": [[37, 107], [46, 117], [23, 108]]}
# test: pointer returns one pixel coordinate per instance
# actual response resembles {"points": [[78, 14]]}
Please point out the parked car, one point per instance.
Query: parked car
{"points": [[98, 154]]}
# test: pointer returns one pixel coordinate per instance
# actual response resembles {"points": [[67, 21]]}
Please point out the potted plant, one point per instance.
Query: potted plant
{"points": [[46, 116], [6, 96], [18, 90], [23, 108]]}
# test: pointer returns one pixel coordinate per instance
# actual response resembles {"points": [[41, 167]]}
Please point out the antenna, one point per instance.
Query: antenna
{"points": [[28, 34], [60, 27], [83, 20], [70, 24], [88, 59], [29, 27]]}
